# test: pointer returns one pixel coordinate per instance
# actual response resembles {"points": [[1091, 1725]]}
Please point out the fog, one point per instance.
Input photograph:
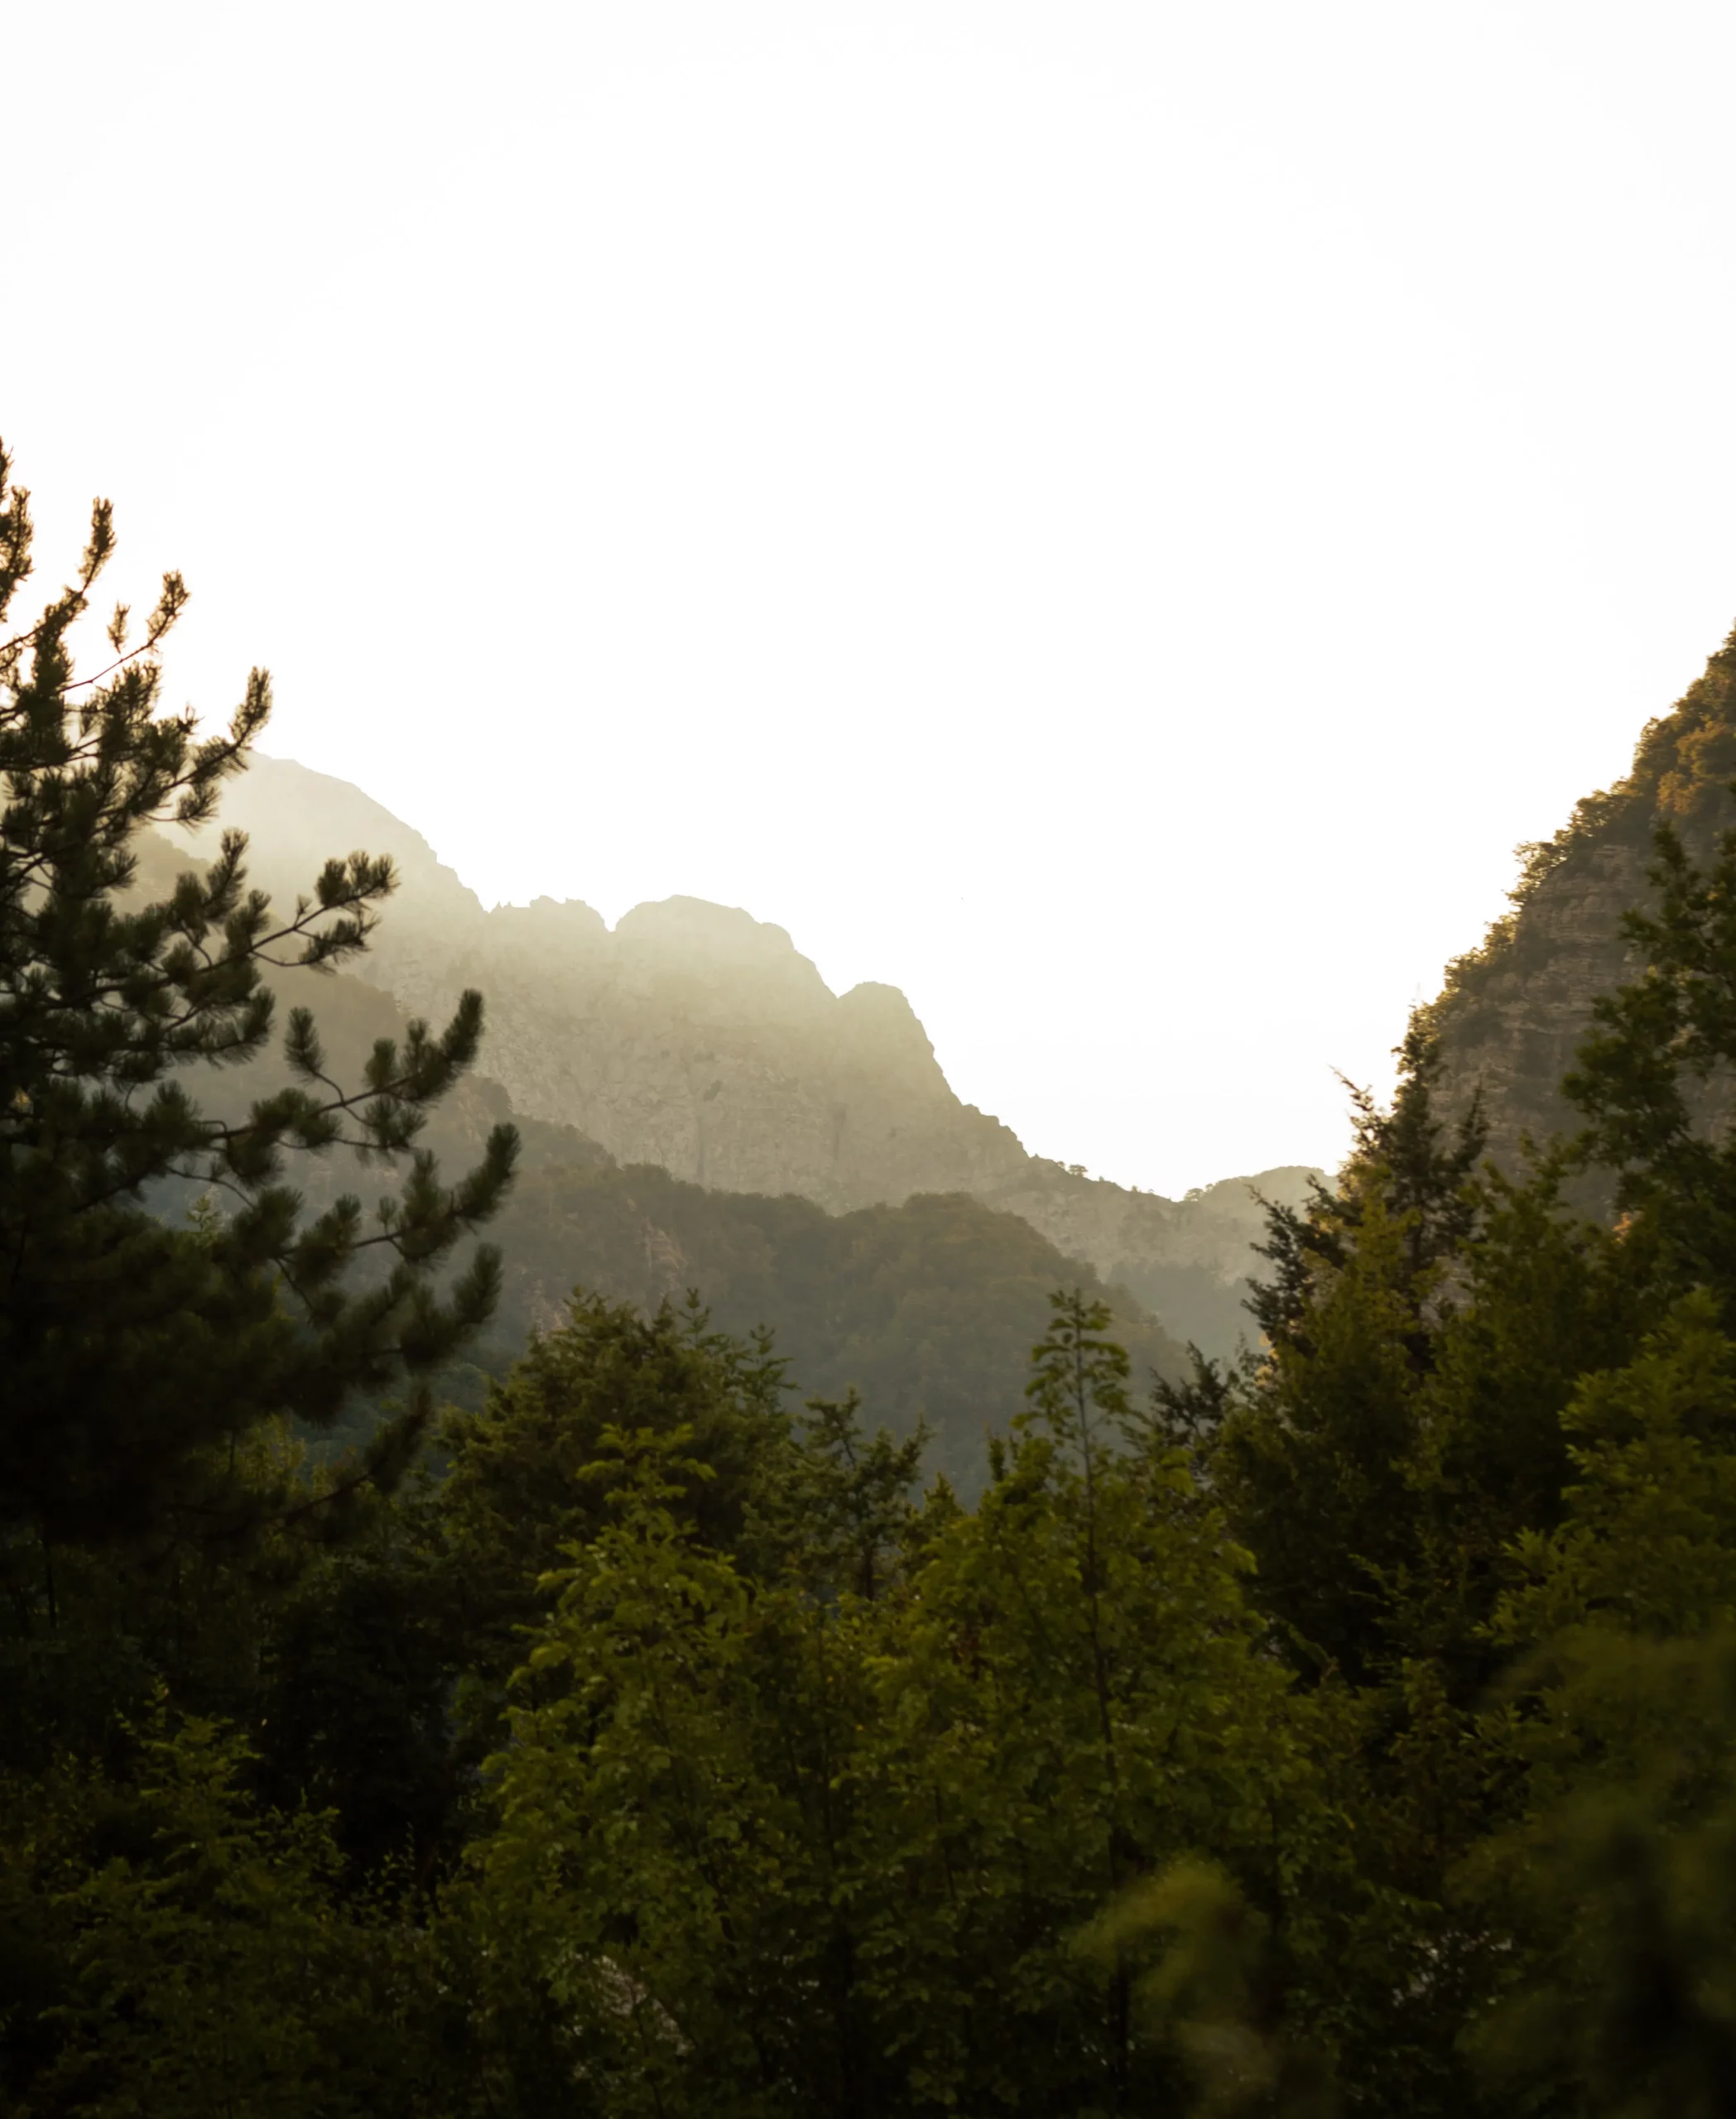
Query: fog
{"points": [[1114, 519]]}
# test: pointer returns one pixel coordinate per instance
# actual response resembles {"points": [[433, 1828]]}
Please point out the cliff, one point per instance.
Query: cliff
{"points": [[1511, 1013]]}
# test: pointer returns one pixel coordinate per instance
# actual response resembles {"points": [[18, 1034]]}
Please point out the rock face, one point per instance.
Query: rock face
{"points": [[697, 1039], [1514, 1011]]}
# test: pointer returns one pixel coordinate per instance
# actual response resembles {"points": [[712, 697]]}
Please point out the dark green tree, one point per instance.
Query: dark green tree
{"points": [[1655, 1079], [517, 1497], [844, 1507], [1315, 1450], [1612, 1891], [149, 1920], [136, 1352], [1405, 1164], [1424, 1329]]}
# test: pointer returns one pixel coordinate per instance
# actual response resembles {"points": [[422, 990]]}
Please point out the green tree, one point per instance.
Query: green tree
{"points": [[1314, 1448], [1077, 1703], [656, 1875], [814, 1836], [171, 1947], [516, 1496], [1482, 1424], [1425, 1329], [1405, 1166], [1654, 1080], [135, 1352], [1613, 1886]]}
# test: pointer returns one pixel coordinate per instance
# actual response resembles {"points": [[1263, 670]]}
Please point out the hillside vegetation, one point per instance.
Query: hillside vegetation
{"points": [[930, 1308]]}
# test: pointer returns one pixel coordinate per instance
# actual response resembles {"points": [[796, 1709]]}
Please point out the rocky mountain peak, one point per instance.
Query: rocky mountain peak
{"points": [[699, 1039], [557, 929]]}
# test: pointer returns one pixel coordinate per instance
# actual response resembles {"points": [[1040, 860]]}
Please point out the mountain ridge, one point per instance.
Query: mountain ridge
{"points": [[697, 1039]]}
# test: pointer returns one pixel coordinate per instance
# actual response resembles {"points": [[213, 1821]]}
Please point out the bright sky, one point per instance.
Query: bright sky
{"points": [[1114, 518]]}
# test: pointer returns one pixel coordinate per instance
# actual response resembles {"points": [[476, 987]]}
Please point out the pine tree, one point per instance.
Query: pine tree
{"points": [[1406, 1165], [131, 1349], [1317, 1444]]}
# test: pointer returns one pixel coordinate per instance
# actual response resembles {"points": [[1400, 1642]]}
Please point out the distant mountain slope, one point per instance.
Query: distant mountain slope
{"points": [[930, 1307], [1511, 1013], [697, 1039]]}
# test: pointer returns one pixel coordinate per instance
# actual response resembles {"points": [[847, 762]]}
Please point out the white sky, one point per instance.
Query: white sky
{"points": [[1114, 518]]}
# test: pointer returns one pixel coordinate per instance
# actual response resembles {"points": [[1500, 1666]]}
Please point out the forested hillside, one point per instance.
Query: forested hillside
{"points": [[929, 1308], [1349, 1729]]}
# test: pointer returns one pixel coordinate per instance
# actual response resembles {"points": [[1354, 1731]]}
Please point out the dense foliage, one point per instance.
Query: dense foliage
{"points": [[1349, 1731]]}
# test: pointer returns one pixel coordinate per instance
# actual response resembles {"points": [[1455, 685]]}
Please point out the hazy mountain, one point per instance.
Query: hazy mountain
{"points": [[697, 1039], [929, 1307], [1512, 1012]]}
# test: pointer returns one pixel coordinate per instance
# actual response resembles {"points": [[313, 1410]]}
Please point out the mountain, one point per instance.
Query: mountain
{"points": [[1511, 1013], [929, 1306], [697, 1039]]}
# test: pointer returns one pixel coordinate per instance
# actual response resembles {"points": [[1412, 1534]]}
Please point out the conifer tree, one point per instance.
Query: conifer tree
{"points": [[1318, 1442], [129, 1346], [1653, 1080]]}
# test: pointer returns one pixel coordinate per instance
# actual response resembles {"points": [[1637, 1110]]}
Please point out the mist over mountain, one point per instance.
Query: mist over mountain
{"points": [[697, 1039]]}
